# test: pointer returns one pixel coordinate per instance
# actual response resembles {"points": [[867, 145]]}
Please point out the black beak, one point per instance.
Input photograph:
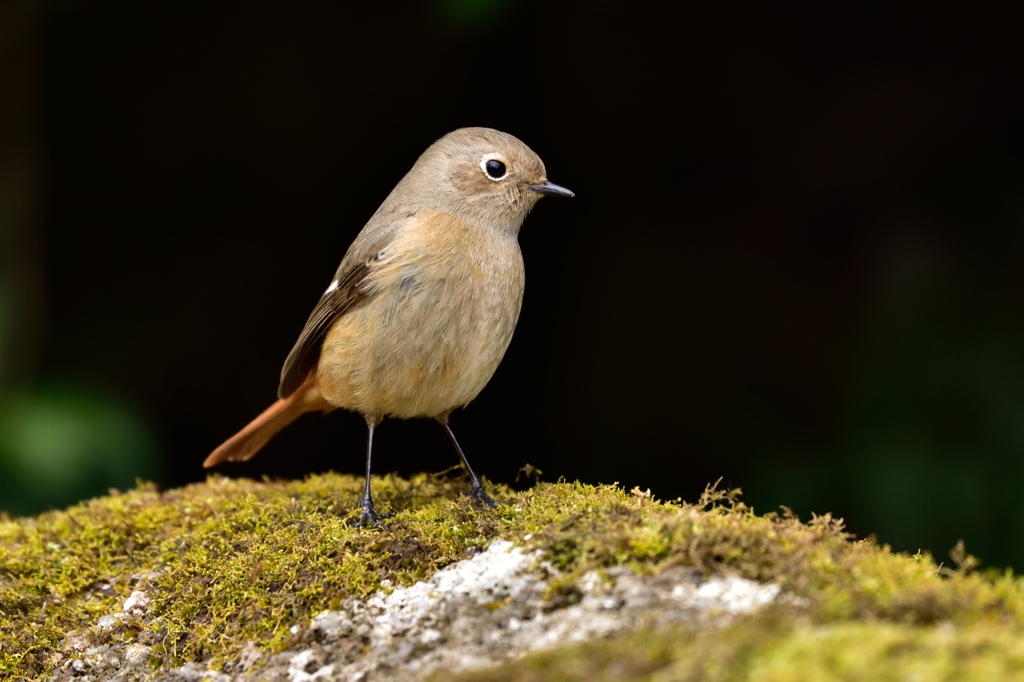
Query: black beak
{"points": [[550, 188]]}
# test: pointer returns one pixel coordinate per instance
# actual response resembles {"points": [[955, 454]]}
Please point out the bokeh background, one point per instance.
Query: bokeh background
{"points": [[795, 259]]}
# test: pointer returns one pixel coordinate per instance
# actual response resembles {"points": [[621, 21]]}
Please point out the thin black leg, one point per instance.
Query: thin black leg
{"points": [[370, 516], [477, 493]]}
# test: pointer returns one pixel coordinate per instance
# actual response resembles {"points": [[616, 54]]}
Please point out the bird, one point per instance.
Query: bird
{"points": [[423, 306]]}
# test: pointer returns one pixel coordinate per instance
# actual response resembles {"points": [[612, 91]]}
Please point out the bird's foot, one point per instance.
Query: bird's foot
{"points": [[370, 517], [480, 498]]}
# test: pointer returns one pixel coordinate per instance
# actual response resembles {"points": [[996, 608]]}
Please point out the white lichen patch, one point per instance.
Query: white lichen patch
{"points": [[728, 595], [300, 662], [135, 605], [489, 577]]}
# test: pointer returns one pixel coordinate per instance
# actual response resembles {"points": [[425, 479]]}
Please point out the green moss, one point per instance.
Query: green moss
{"points": [[775, 648], [234, 561]]}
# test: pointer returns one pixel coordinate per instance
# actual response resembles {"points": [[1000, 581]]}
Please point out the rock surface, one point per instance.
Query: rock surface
{"points": [[239, 579], [475, 613]]}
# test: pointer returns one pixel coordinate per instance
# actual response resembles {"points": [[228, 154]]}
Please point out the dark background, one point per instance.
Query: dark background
{"points": [[794, 259]]}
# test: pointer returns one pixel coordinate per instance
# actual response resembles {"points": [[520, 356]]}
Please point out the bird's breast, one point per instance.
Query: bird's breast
{"points": [[439, 315]]}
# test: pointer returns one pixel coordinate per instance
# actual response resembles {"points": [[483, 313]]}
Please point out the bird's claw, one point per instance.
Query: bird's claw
{"points": [[480, 498], [370, 517]]}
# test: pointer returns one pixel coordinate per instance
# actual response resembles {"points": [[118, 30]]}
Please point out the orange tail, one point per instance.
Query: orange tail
{"points": [[247, 442]]}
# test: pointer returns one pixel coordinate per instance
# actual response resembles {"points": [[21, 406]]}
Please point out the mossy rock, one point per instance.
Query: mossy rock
{"points": [[233, 571]]}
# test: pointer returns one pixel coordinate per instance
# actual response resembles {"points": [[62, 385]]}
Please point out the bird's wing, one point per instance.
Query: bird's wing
{"points": [[350, 286]]}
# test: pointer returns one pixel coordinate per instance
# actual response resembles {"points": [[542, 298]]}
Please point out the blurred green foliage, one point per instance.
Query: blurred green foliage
{"points": [[61, 444], [470, 14], [6, 315], [927, 446]]}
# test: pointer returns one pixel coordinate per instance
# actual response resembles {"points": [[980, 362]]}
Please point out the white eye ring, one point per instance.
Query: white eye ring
{"points": [[494, 157]]}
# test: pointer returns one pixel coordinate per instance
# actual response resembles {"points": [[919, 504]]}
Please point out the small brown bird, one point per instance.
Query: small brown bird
{"points": [[423, 306]]}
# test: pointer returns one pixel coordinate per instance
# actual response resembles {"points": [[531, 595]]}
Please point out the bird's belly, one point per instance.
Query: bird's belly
{"points": [[424, 345]]}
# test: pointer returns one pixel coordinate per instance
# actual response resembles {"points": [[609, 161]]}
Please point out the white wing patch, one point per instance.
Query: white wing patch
{"points": [[334, 285]]}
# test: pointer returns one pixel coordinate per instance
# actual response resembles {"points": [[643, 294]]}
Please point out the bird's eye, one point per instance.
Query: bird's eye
{"points": [[495, 169]]}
